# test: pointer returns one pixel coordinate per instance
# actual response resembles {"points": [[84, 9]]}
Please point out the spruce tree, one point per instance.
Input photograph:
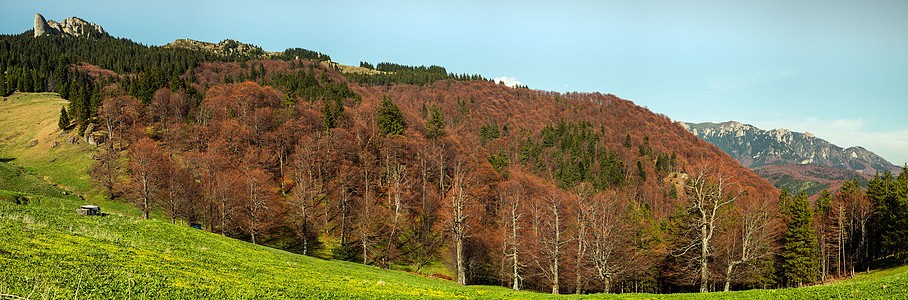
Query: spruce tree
{"points": [[329, 115], [435, 125], [3, 92], [64, 118], [190, 75], [390, 120], [784, 201], [799, 254], [891, 198]]}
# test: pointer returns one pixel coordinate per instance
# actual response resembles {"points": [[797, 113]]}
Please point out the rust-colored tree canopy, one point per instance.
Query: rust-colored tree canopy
{"points": [[529, 189]]}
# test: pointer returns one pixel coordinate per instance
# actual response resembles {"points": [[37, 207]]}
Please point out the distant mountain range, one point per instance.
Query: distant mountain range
{"points": [[779, 156], [755, 147]]}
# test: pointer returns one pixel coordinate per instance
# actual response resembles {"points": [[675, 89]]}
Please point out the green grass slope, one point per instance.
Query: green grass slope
{"points": [[47, 250], [31, 138], [29, 132]]}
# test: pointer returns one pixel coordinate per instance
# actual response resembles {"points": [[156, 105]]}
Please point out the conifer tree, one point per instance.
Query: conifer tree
{"points": [[784, 201], [3, 91], [64, 118], [799, 254], [190, 75], [891, 198], [390, 120], [329, 115], [435, 125]]}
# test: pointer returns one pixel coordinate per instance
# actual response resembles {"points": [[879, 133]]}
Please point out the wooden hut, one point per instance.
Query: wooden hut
{"points": [[89, 210]]}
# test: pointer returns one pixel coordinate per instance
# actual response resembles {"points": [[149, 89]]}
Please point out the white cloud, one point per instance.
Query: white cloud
{"points": [[746, 80], [508, 81]]}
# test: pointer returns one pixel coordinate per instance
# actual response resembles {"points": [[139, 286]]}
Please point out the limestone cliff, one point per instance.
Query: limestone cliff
{"points": [[70, 27]]}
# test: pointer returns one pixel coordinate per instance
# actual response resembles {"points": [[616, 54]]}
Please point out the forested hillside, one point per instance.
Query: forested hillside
{"points": [[809, 178], [446, 175]]}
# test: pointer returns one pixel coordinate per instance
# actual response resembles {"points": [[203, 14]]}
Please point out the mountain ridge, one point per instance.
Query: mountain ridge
{"points": [[225, 47], [754, 147]]}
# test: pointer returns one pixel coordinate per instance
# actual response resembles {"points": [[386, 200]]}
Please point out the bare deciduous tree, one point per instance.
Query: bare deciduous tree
{"points": [[585, 212], [458, 219], [751, 237], [146, 161], [553, 241], [605, 239], [707, 196], [511, 194]]}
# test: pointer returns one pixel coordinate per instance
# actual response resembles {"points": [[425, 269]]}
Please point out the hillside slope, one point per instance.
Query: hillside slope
{"points": [[31, 138], [809, 178], [46, 249], [526, 113]]}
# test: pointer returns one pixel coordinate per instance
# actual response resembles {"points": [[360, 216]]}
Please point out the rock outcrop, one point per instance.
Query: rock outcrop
{"points": [[225, 47], [40, 25], [69, 27]]}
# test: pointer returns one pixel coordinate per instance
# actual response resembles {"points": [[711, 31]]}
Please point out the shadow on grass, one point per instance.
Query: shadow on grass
{"points": [[886, 263], [7, 159]]}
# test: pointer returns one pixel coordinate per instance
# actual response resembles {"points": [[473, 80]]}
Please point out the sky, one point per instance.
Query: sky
{"points": [[836, 69]]}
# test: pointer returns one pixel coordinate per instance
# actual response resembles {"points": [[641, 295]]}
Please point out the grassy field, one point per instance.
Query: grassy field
{"points": [[47, 251], [30, 138]]}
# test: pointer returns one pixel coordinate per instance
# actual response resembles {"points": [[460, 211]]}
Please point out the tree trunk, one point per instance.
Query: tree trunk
{"points": [[728, 277], [704, 252], [514, 218], [557, 251], [145, 198], [458, 226], [343, 217], [281, 160], [862, 252], [515, 275], [577, 274], [461, 277], [305, 239], [555, 278]]}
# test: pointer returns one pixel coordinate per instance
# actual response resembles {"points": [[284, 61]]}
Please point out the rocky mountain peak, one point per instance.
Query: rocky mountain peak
{"points": [[754, 147], [69, 27]]}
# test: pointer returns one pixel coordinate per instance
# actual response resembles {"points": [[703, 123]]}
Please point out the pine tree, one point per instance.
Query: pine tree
{"points": [[190, 75], [329, 116], [784, 201], [390, 120], [3, 91], [435, 125], [799, 254], [891, 198], [64, 118]]}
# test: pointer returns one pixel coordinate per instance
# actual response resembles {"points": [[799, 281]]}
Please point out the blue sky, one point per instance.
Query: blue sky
{"points": [[837, 69]]}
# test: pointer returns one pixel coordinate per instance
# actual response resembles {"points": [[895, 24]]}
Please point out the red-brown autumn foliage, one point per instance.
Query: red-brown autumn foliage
{"points": [[271, 173]]}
